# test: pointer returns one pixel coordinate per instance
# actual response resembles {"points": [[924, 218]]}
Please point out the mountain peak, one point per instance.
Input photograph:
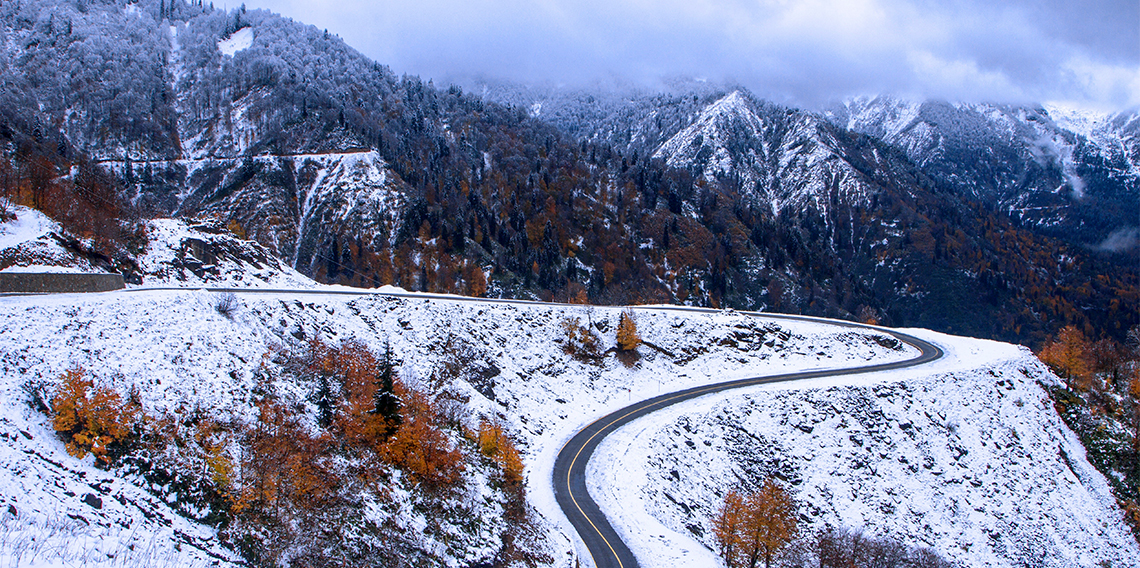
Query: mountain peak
{"points": [[710, 140]]}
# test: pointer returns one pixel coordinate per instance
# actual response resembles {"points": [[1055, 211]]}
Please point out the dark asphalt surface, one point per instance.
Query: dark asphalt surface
{"points": [[606, 548]]}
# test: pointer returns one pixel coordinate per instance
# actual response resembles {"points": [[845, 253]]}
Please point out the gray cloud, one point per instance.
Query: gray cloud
{"points": [[799, 51], [1121, 240]]}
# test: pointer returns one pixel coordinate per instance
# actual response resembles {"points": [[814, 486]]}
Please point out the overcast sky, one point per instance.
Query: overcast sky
{"points": [[804, 52]]}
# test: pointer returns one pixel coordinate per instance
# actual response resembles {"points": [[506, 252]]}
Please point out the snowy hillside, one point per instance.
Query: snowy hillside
{"points": [[204, 253], [182, 253], [32, 242], [727, 122], [179, 350]]}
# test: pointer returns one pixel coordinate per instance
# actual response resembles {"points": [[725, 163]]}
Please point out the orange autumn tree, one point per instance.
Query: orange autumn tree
{"points": [[728, 528], [1067, 355], [627, 336], [755, 527], [770, 523], [92, 419], [369, 410]]}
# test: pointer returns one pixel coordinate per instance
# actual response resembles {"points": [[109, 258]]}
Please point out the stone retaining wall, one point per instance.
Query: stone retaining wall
{"points": [[62, 282]]}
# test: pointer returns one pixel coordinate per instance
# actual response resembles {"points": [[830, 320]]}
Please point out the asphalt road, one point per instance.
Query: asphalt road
{"points": [[604, 544]]}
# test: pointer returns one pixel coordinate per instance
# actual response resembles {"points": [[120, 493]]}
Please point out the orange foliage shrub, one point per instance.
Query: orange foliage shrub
{"points": [[497, 445], [419, 447], [91, 420], [283, 466]]}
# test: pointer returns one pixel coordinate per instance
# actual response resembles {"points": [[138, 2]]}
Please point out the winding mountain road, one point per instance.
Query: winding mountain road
{"points": [[604, 544]]}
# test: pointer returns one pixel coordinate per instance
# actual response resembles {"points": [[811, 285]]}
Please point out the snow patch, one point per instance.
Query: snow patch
{"points": [[237, 41], [46, 269], [28, 225]]}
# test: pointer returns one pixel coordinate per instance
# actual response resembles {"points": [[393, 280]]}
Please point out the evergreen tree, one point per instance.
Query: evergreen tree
{"points": [[385, 402], [324, 401]]}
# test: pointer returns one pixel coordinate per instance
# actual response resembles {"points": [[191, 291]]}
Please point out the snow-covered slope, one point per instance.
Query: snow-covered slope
{"points": [[1117, 135], [204, 253], [966, 456], [182, 253], [236, 42], [990, 436], [32, 242], [177, 349]]}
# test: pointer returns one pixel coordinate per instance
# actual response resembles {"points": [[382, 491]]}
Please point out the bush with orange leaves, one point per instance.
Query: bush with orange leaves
{"points": [[495, 443], [379, 416], [93, 419], [1068, 356], [419, 447]]}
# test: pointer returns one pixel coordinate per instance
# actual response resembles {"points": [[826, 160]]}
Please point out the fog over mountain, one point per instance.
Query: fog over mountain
{"points": [[804, 53]]}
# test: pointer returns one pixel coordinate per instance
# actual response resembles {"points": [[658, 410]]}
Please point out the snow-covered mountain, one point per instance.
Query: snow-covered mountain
{"points": [[788, 160], [1068, 171]]}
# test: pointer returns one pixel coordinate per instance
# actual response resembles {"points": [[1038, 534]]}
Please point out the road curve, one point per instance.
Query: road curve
{"points": [[604, 544]]}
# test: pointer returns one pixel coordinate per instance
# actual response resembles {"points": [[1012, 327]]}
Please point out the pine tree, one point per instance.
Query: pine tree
{"points": [[385, 402], [627, 337], [324, 401]]}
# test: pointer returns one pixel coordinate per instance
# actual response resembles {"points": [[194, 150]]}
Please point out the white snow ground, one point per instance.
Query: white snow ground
{"points": [[237, 41], [176, 348]]}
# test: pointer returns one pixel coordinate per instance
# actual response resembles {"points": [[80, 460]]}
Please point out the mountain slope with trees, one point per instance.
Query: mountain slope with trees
{"points": [[354, 175]]}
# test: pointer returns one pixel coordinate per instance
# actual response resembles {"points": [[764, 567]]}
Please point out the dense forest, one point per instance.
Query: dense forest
{"points": [[494, 201]]}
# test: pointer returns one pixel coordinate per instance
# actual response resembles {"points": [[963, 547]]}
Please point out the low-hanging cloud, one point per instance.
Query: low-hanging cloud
{"points": [[800, 51], [1121, 240]]}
